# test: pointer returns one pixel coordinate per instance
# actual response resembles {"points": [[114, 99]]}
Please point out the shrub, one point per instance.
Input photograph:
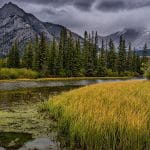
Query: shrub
{"points": [[9, 73], [147, 73]]}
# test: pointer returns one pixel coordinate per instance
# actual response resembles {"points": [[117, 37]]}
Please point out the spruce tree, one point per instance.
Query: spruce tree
{"points": [[52, 60], [101, 67], [13, 60], [60, 56], [112, 57], [85, 52], [145, 58], [27, 59], [122, 56], [43, 53], [77, 61], [36, 55], [129, 58], [89, 70]]}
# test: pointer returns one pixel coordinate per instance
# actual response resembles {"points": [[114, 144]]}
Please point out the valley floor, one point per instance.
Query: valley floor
{"points": [[108, 116]]}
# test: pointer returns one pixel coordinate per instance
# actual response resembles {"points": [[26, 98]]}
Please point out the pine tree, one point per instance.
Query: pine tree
{"points": [[36, 58], [145, 58], [52, 60], [60, 56], [122, 56], [89, 70], [112, 57], [129, 58], [85, 52], [77, 61], [95, 51], [28, 57], [101, 67], [136, 63], [13, 56], [43, 53]]}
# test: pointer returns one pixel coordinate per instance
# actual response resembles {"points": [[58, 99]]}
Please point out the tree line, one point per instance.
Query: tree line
{"points": [[70, 57]]}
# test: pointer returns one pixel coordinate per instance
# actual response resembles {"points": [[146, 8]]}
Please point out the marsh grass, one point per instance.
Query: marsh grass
{"points": [[109, 116]]}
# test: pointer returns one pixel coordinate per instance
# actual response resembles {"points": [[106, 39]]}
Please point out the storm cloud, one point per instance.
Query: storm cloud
{"points": [[104, 16], [118, 5]]}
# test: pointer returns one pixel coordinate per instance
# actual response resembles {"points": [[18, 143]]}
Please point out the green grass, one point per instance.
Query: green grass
{"points": [[109, 116], [10, 73]]}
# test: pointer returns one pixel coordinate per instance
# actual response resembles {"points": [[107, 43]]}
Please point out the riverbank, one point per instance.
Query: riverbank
{"points": [[104, 116], [65, 79]]}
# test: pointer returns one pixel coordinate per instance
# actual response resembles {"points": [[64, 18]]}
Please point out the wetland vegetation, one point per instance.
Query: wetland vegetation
{"points": [[110, 116]]}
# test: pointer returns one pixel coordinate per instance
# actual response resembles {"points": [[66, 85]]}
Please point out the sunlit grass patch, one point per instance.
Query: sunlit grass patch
{"points": [[109, 116]]}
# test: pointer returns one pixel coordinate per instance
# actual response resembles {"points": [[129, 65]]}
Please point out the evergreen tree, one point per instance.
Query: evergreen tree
{"points": [[43, 53], [95, 51], [77, 62], [60, 56], [145, 58], [89, 70], [85, 52], [36, 55], [101, 67], [129, 58], [122, 56], [28, 56], [112, 57], [136, 63], [13, 56], [52, 60]]}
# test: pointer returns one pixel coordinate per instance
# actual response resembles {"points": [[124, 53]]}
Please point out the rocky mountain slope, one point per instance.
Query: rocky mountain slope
{"points": [[16, 24]]}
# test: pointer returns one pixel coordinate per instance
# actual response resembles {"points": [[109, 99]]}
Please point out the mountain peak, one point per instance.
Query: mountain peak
{"points": [[10, 9]]}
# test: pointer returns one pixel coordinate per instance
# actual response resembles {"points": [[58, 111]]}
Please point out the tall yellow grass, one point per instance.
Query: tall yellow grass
{"points": [[109, 116]]}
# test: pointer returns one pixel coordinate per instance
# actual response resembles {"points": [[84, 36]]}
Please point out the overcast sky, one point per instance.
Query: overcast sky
{"points": [[105, 16]]}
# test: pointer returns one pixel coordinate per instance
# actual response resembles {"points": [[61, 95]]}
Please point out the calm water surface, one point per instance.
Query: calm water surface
{"points": [[21, 126]]}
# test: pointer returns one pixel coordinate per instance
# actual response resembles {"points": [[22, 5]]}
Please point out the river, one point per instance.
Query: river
{"points": [[21, 126]]}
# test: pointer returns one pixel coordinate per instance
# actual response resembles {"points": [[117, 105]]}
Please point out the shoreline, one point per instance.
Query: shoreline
{"points": [[65, 79]]}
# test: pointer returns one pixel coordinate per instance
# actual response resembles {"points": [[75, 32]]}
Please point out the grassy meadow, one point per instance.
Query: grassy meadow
{"points": [[109, 116]]}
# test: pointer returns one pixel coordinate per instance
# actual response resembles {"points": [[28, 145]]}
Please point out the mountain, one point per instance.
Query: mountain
{"points": [[138, 37], [16, 24]]}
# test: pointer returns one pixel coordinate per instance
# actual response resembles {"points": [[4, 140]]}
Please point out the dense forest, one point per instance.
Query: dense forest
{"points": [[71, 58]]}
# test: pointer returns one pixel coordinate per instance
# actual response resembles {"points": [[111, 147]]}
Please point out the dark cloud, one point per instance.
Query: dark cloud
{"points": [[105, 16], [111, 5], [119, 5], [80, 4], [84, 4]]}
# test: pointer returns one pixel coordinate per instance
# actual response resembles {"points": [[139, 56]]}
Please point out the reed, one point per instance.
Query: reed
{"points": [[109, 116]]}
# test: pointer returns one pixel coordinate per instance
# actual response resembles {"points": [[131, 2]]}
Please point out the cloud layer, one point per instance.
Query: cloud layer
{"points": [[105, 16]]}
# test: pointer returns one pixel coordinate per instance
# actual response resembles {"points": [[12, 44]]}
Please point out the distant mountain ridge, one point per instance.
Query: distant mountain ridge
{"points": [[16, 24], [138, 37]]}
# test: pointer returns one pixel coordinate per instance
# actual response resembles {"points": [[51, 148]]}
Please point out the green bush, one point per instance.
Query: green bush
{"points": [[147, 73], [110, 73], [9, 73]]}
